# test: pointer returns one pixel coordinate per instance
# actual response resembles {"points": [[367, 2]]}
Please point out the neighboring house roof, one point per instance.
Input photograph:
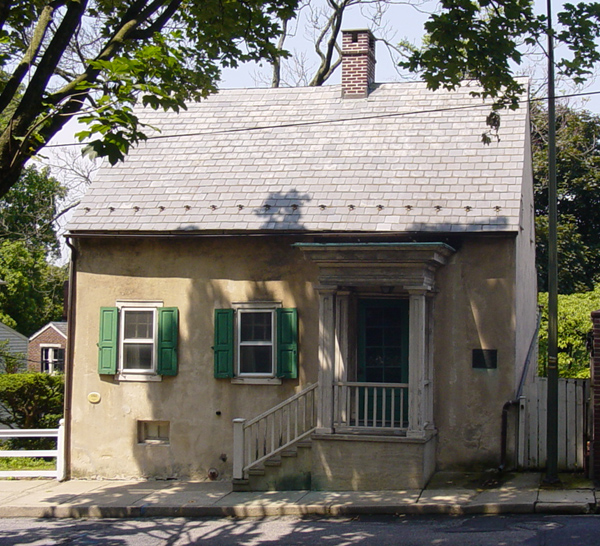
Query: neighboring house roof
{"points": [[60, 327], [403, 159], [17, 343]]}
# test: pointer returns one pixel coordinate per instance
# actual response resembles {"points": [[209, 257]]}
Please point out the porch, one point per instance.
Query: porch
{"points": [[370, 414]]}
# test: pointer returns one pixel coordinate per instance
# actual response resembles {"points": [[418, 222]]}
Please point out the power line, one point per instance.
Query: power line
{"points": [[334, 121]]}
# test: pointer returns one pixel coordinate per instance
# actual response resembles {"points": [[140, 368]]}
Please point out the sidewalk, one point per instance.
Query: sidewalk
{"points": [[447, 493]]}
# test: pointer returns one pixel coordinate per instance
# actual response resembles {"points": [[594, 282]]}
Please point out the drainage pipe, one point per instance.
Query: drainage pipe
{"points": [[517, 399], [69, 356]]}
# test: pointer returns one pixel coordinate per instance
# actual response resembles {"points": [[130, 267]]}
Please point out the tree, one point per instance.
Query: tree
{"points": [[61, 58], [323, 24], [485, 39], [574, 331], [33, 294], [29, 211], [578, 177]]}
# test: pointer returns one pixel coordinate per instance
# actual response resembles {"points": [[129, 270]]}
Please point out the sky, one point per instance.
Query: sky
{"points": [[400, 21]]}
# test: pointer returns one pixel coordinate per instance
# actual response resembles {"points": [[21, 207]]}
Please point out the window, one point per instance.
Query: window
{"points": [[138, 339], [256, 340], [53, 359], [255, 335], [137, 342]]}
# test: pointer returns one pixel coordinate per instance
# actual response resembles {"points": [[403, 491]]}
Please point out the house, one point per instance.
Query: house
{"points": [[47, 348], [16, 343], [347, 264]]}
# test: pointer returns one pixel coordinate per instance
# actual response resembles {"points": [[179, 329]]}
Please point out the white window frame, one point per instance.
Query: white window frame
{"points": [[253, 307], [134, 374], [51, 360]]}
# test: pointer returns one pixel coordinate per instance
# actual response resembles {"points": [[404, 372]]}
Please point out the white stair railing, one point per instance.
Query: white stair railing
{"points": [[275, 430]]}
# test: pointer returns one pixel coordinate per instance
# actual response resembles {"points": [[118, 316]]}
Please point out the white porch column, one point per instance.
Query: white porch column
{"points": [[342, 352], [417, 351], [327, 349]]}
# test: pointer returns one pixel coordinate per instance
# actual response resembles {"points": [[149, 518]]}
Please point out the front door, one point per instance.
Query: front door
{"points": [[383, 358]]}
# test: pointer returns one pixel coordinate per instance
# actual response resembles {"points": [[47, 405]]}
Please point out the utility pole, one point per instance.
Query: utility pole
{"points": [[552, 367]]}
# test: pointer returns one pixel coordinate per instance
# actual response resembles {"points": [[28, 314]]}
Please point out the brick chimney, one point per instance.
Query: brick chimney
{"points": [[358, 63]]}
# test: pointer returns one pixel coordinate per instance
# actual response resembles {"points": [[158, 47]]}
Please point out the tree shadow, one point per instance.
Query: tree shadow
{"points": [[283, 210]]}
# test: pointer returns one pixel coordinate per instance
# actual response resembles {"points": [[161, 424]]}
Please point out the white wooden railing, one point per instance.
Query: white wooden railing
{"points": [[256, 440], [380, 406], [58, 433]]}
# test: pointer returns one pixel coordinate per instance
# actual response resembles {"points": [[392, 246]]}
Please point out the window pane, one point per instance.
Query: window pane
{"points": [[59, 360], [45, 359], [138, 324], [137, 356], [255, 326], [255, 359]]}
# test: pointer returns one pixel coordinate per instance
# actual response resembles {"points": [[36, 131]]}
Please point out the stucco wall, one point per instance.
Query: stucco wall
{"points": [[526, 286], [196, 276], [473, 308]]}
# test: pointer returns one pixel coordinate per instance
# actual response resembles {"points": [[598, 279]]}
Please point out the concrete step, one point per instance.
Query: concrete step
{"points": [[273, 461]]}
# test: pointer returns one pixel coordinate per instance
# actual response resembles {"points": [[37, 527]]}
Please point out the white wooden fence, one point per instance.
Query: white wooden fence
{"points": [[58, 433], [573, 397]]}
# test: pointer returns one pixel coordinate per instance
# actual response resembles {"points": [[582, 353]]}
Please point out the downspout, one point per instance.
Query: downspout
{"points": [[517, 399], [69, 356]]}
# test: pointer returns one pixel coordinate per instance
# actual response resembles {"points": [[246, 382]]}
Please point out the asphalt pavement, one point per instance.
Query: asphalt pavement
{"points": [[447, 493]]}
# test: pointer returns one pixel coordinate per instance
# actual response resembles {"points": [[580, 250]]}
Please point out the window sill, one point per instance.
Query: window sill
{"points": [[139, 377], [256, 381]]}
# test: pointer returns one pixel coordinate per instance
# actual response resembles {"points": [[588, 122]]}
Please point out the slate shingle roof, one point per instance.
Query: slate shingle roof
{"points": [[317, 162]]}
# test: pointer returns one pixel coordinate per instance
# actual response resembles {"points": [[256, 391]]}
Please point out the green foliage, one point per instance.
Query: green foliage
{"points": [[11, 362], [486, 40], [574, 328], [578, 178], [31, 400], [100, 58], [33, 294], [28, 210]]}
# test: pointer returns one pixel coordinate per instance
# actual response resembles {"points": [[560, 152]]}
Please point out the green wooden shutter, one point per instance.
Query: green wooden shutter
{"points": [[287, 343], [109, 340], [168, 326], [223, 343]]}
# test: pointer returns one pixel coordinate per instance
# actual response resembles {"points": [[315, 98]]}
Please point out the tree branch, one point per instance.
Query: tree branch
{"points": [[12, 85]]}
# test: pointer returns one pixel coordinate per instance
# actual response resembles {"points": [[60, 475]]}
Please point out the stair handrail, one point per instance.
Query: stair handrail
{"points": [[242, 457]]}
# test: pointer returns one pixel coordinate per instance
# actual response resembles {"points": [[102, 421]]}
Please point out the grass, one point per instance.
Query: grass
{"points": [[27, 463]]}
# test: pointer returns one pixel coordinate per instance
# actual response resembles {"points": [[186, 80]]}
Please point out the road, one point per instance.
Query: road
{"points": [[363, 531]]}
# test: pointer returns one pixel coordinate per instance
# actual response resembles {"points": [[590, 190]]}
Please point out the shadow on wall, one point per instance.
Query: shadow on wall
{"points": [[201, 275]]}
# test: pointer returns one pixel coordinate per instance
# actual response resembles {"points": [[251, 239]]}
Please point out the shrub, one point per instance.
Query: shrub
{"points": [[31, 400], [574, 331]]}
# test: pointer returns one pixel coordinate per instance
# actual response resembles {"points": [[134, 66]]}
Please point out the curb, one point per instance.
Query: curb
{"points": [[278, 510]]}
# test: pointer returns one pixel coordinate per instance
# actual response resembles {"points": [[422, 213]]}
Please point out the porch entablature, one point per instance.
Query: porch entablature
{"points": [[408, 266]]}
